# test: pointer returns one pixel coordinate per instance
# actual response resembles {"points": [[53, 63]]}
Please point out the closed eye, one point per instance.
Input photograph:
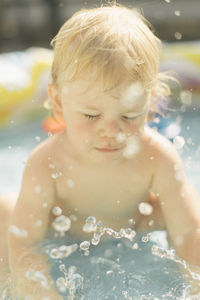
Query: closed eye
{"points": [[129, 118], [91, 117]]}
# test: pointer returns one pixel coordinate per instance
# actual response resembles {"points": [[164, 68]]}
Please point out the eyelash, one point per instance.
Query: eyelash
{"points": [[90, 117]]}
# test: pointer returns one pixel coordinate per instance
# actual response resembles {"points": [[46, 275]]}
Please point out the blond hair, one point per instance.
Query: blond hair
{"points": [[116, 42]]}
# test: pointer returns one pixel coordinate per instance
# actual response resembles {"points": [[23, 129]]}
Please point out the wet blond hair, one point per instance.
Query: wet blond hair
{"points": [[114, 43]]}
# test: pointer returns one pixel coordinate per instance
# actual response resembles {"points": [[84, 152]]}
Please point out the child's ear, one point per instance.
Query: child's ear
{"points": [[54, 97]]}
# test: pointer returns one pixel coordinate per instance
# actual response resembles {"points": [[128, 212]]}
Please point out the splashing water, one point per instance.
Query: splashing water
{"points": [[145, 208], [172, 130], [132, 94], [178, 142], [61, 224], [90, 225], [132, 147], [20, 233], [63, 251], [56, 211], [72, 281], [99, 230], [56, 175], [85, 245], [37, 276], [121, 137]]}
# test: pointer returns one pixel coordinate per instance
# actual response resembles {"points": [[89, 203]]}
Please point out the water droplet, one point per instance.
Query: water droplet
{"points": [[132, 94], [131, 221], [177, 13], [70, 183], [63, 251], [151, 222], [61, 223], [100, 229], [61, 284], [90, 225], [85, 245], [121, 137], [132, 147], [178, 35], [179, 240], [57, 211], [20, 233], [145, 208], [135, 246], [172, 130], [73, 218], [37, 138], [109, 272], [145, 239], [37, 276], [38, 223], [56, 175], [37, 189], [51, 166], [178, 142], [62, 269]]}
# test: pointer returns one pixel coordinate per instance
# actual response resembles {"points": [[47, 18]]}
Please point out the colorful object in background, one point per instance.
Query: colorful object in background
{"points": [[24, 76], [53, 125], [183, 58]]}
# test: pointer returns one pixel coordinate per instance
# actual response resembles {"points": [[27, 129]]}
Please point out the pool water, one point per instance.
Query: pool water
{"points": [[113, 270]]}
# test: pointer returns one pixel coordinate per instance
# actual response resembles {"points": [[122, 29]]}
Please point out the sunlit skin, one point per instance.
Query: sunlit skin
{"points": [[95, 119], [106, 183]]}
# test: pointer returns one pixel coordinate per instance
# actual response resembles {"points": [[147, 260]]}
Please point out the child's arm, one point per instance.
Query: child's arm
{"points": [[180, 203], [29, 225]]}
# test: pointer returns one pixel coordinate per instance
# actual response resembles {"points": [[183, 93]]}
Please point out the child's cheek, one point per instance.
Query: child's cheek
{"points": [[84, 128]]}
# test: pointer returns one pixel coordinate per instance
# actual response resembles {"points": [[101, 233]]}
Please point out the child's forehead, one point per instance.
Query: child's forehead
{"points": [[86, 87], [127, 95]]}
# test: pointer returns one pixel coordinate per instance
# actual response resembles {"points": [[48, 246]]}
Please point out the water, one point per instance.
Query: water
{"points": [[109, 264]]}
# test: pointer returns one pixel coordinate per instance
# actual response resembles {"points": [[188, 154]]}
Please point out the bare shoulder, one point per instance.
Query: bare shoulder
{"points": [[162, 150]]}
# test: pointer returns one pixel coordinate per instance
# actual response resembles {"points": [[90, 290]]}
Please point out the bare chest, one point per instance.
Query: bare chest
{"points": [[109, 196]]}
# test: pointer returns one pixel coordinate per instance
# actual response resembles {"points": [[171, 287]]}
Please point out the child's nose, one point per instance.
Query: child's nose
{"points": [[109, 128]]}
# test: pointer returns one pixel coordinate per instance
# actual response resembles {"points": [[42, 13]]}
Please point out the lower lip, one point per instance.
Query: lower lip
{"points": [[106, 150]]}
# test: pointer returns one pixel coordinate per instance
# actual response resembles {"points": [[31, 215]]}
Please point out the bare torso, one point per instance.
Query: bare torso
{"points": [[111, 193]]}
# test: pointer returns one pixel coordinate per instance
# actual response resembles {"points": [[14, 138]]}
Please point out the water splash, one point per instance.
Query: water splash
{"points": [[145, 208], [56, 211], [132, 147], [61, 224], [178, 142], [20, 233], [90, 224], [132, 94], [71, 282], [37, 276], [63, 251]]}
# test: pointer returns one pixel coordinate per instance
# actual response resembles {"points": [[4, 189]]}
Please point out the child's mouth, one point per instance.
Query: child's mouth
{"points": [[107, 149]]}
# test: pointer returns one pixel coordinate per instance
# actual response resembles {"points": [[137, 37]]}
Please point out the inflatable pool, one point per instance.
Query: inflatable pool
{"points": [[142, 269]]}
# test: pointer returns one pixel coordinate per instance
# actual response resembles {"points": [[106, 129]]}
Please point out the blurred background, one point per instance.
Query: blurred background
{"points": [[25, 23]]}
